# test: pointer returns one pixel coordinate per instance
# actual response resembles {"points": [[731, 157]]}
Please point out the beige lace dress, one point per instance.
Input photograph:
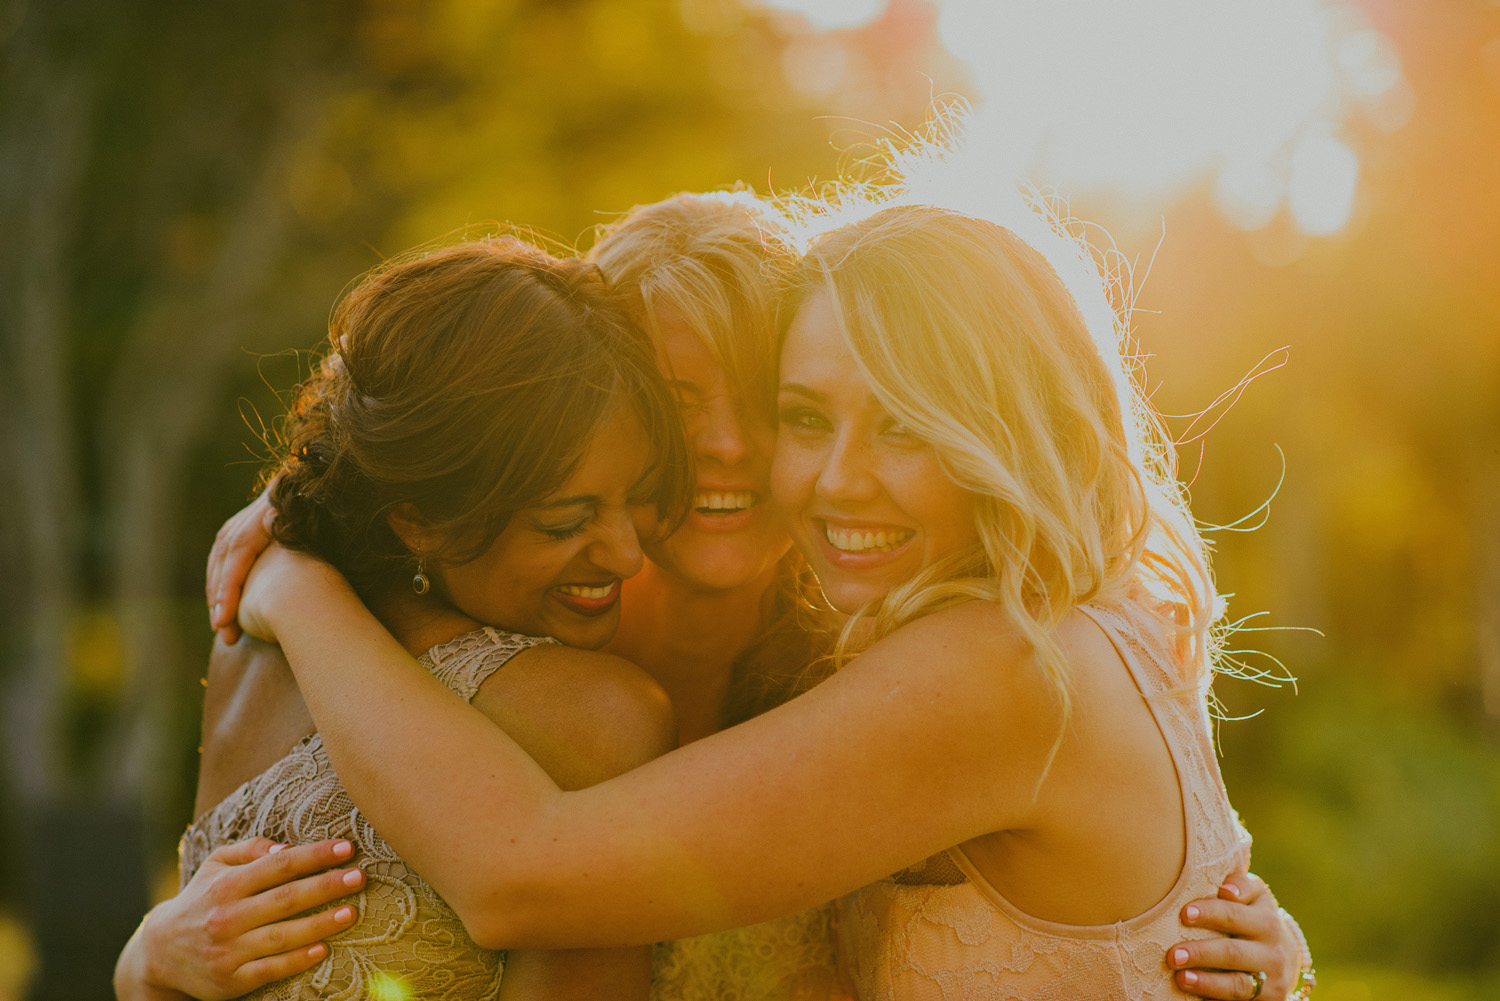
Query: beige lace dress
{"points": [[941, 932], [407, 943]]}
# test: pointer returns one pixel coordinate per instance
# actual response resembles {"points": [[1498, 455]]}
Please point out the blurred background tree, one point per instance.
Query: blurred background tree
{"points": [[185, 190]]}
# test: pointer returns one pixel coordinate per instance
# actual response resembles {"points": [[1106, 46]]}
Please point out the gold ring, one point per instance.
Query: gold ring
{"points": [[1260, 981]]}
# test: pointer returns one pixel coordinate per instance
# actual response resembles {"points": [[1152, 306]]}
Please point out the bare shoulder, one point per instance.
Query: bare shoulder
{"points": [[584, 716]]}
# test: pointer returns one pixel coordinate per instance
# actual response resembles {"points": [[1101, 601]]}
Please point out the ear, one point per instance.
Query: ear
{"points": [[414, 531]]}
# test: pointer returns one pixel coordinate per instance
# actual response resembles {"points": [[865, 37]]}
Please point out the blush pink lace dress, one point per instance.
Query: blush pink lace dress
{"points": [[940, 932], [407, 941]]}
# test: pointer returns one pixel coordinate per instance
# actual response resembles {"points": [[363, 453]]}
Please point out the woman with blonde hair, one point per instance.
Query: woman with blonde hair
{"points": [[1019, 730]]}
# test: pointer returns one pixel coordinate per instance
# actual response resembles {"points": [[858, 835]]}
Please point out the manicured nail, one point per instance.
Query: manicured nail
{"points": [[1234, 891], [1190, 912], [317, 951], [1189, 977], [343, 849], [214, 618], [1179, 956], [274, 849], [343, 914], [353, 877]]}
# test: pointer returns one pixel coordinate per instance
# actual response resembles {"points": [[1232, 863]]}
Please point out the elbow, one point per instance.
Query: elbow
{"points": [[498, 918]]}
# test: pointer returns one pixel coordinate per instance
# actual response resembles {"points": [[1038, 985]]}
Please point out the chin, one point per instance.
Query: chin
{"points": [[588, 635]]}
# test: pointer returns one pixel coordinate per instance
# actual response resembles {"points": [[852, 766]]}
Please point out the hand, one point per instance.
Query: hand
{"points": [[241, 539], [276, 575], [1259, 941], [234, 928]]}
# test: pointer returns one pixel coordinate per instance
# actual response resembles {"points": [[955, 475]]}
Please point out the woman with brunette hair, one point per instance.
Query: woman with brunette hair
{"points": [[1019, 727], [473, 455]]}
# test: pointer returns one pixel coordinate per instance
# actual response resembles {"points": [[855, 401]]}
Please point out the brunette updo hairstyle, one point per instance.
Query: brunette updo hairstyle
{"points": [[467, 382]]}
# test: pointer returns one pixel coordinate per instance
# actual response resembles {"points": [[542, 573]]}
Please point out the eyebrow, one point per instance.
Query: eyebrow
{"points": [[593, 498], [801, 390]]}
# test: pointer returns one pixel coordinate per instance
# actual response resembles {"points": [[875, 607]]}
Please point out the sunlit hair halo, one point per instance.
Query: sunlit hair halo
{"points": [[466, 381], [973, 339]]}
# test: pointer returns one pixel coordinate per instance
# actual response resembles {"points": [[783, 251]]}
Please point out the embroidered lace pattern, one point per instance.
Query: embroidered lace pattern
{"points": [[407, 942], [786, 959], [936, 940]]}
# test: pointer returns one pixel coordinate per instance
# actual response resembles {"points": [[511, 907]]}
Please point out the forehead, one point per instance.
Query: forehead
{"points": [[683, 352], [814, 352], [616, 457]]}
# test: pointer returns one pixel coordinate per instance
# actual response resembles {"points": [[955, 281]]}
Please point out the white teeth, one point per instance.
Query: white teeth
{"points": [[730, 500], [865, 542], [579, 591]]}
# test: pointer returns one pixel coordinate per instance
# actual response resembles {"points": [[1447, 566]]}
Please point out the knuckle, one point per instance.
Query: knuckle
{"points": [[218, 923], [284, 897], [275, 938]]}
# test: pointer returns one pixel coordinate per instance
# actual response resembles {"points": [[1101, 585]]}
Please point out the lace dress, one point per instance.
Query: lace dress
{"points": [[786, 959], [407, 942], [941, 932]]}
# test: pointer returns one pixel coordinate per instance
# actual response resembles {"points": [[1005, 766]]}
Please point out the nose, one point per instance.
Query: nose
{"points": [[718, 433], [617, 548], [847, 474]]}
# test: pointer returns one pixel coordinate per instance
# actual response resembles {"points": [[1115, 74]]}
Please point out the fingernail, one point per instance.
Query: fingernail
{"points": [[317, 951], [274, 849], [343, 914], [1190, 912], [353, 877], [343, 849], [1189, 977], [215, 616], [1179, 956], [1233, 891]]}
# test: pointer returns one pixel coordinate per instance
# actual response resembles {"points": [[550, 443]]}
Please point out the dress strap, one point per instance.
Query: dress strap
{"points": [[465, 662]]}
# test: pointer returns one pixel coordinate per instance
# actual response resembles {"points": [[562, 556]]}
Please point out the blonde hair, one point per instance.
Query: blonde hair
{"points": [[719, 260], [971, 337]]}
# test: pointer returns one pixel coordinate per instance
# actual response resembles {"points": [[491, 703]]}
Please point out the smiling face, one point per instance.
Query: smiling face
{"points": [[556, 568], [868, 503], [731, 537]]}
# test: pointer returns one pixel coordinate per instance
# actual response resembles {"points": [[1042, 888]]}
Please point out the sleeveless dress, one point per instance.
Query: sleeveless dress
{"points": [[940, 932], [406, 942]]}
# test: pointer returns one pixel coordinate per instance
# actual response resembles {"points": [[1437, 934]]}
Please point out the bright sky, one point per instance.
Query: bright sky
{"points": [[1142, 97]]}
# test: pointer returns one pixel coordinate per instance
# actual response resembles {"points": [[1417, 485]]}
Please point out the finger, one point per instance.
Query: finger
{"points": [[247, 544], [1243, 887], [296, 896], [242, 852], [1228, 918], [296, 934], [230, 634], [1221, 954], [1225, 986], [276, 868], [259, 972]]}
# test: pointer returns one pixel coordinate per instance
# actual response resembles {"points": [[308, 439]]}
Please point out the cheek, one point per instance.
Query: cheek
{"points": [[793, 472]]}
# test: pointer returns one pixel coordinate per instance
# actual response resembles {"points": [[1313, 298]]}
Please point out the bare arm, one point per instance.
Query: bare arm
{"points": [[744, 825]]}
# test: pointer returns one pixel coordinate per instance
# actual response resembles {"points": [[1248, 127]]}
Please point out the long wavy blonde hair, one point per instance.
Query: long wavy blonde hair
{"points": [[1009, 365]]}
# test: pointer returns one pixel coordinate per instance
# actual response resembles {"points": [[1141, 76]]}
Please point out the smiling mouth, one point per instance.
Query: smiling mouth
{"points": [[723, 501], [856, 541], [589, 593]]}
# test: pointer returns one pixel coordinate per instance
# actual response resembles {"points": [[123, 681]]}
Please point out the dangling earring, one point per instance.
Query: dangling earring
{"points": [[420, 583]]}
